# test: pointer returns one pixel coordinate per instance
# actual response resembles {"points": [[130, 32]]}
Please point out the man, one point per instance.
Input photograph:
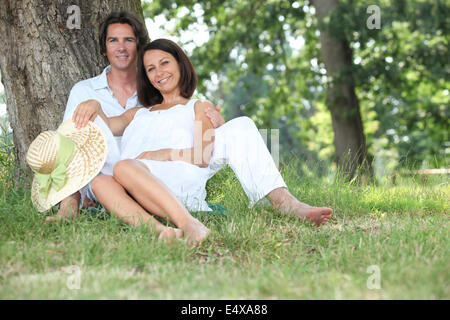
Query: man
{"points": [[121, 36]]}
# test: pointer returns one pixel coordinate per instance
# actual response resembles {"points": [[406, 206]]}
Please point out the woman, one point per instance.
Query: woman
{"points": [[178, 139], [171, 124]]}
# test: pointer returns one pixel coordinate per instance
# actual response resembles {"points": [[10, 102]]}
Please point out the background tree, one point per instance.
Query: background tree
{"points": [[349, 139], [43, 54], [254, 40], [266, 57]]}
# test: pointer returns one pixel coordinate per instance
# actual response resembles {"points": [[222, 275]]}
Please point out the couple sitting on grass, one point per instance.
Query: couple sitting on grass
{"points": [[170, 146]]}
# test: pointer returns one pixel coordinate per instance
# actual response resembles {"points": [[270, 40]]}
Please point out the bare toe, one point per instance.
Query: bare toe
{"points": [[54, 219], [319, 216], [170, 234], [64, 213], [195, 233], [51, 219]]}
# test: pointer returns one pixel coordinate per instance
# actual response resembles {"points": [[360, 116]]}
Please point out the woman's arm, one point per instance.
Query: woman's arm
{"points": [[88, 111], [204, 135], [201, 153]]}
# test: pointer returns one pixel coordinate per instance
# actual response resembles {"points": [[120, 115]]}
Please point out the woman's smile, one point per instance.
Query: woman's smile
{"points": [[162, 70], [164, 80]]}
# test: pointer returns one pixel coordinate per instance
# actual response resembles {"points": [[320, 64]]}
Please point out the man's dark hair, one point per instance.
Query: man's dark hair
{"points": [[124, 17], [148, 95]]}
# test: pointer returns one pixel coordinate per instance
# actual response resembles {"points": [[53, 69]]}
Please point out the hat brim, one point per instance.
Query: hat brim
{"points": [[87, 161]]}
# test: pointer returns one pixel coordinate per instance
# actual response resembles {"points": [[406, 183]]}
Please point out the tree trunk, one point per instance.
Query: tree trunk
{"points": [[43, 54], [349, 139]]}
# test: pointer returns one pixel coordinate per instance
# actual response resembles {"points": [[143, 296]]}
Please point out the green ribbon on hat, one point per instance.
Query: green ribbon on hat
{"points": [[57, 178]]}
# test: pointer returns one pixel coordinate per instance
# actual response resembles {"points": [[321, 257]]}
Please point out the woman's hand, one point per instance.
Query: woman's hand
{"points": [[158, 155], [215, 116], [85, 111]]}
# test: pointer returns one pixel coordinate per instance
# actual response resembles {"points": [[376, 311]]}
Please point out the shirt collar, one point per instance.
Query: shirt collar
{"points": [[100, 82]]}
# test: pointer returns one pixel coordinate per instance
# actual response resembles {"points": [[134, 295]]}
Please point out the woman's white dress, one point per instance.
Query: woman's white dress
{"points": [[169, 129]]}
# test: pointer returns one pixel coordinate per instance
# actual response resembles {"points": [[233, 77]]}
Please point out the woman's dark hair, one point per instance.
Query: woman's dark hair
{"points": [[148, 95], [124, 17]]}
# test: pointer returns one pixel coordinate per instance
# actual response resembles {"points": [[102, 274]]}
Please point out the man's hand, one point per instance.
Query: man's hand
{"points": [[85, 111], [158, 155], [215, 116]]}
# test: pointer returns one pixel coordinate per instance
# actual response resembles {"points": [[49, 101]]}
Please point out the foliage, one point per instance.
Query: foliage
{"points": [[266, 57], [6, 152], [402, 70], [6, 146]]}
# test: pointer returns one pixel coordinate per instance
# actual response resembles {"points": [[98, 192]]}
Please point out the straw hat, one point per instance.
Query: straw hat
{"points": [[64, 161]]}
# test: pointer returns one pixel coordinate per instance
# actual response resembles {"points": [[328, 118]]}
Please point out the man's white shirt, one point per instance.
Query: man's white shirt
{"points": [[97, 88]]}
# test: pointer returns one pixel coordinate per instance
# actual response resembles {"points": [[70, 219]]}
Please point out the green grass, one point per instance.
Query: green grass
{"points": [[251, 254]]}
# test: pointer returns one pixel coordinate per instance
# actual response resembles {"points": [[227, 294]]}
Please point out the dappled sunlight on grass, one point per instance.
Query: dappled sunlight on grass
{"points": [[405, 199]]}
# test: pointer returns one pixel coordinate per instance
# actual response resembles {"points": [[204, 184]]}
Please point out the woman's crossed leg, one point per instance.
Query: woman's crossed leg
{"points": [[134, 191]]}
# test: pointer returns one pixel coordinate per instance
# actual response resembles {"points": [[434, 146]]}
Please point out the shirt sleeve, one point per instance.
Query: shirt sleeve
{"points": [[75, 98]]}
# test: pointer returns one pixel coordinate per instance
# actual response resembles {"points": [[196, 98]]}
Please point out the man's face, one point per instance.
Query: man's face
{"points": [[121, 46]]}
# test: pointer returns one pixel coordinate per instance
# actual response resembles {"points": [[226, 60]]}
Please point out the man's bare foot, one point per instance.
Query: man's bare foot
{"points": [[63, 213], [169, 234], [68, 210], [283, 200], [195, 232]]}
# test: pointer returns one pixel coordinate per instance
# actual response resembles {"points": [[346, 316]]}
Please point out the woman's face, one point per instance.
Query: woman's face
{"points": [[162, 70]]}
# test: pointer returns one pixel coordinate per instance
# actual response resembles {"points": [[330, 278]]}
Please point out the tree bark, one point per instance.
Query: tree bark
{"points": [[41, 58], [349, 139]]}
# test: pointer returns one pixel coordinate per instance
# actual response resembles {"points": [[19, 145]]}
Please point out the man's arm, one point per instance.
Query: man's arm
{"points": [[214, 115], [90, 109]]}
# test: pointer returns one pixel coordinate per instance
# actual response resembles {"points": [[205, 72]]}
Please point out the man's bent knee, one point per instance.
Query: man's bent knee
{"points": [[122, 167], [99, 182]]}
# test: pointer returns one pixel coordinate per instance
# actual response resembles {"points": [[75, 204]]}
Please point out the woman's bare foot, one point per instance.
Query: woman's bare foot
{"points": [[283, 200], [195, 232], [317, 215], [169, 234]]}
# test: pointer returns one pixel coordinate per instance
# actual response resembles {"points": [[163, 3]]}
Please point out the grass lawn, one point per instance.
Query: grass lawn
{"points": [[383, 242]]}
